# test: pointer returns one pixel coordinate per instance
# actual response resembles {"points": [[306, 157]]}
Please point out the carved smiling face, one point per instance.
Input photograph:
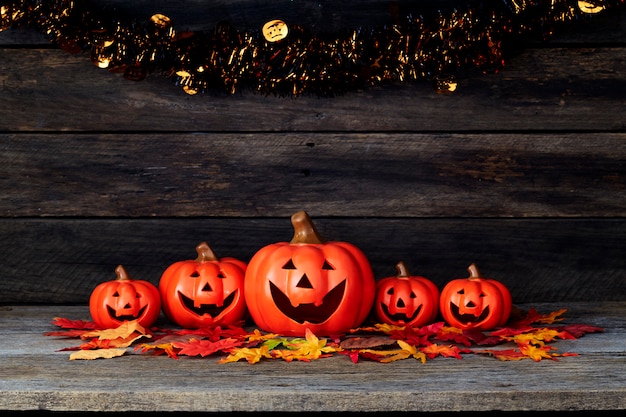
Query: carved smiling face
{"points": [[204, 292], [307, 288], [405, 299], [124, 299], [319, 287], [475, 302]]}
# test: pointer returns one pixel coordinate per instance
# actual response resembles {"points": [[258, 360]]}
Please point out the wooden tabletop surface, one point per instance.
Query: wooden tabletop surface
{"points": [[35, 375]]}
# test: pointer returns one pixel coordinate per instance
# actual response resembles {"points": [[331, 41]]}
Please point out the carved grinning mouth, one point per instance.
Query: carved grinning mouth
{"points": [[468, 318], [207, 309], [309, 312], [400, 317], [127, 317]]}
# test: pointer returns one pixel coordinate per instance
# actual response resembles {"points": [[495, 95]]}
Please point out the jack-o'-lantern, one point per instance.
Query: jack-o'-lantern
{"points": [[124, 299], [204, 292], [326, 287], [475, 302], [406, 300]]}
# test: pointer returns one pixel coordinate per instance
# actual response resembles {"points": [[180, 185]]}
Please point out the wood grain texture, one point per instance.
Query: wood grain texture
{"points": [[42, 378], [329, 174], [543, 89], [60, 261]]}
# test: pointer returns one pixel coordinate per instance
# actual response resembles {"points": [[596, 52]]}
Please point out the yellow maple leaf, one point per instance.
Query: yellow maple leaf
{"points": [[406, 351], [97, 354], [123, 331], [252, 355], [538, 337], [257, 336], [551, 317], [309, 348], [536, 353]]}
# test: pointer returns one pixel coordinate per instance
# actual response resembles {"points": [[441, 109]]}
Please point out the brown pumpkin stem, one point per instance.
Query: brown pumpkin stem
{"points": [[205, 253], [303, 229], [121, 273], [402, 270], [473, 270]]}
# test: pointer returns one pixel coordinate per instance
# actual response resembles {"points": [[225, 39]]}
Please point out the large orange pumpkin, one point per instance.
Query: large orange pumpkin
{"points": [[327, 287], [406, 300], [204, 292], [475, 302], [124, 299]]}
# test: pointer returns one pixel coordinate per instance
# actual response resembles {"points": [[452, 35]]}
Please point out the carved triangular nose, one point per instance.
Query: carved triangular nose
{"points": [[400, 303], [127, 305], [470, 304], [304, 282], [207, 287]]}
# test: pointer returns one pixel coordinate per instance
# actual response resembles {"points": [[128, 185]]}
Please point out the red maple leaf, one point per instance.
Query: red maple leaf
{"points": [[65, 323], [203, 347]]}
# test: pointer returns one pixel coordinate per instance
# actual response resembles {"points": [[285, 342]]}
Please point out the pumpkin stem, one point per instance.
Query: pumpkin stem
{"points": [[473, 270], [205, 253], [402, 270], [121, 273], [303, 229]]}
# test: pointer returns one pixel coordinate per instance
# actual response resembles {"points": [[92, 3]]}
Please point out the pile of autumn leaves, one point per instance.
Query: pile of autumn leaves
{"points": [[527, 336]]}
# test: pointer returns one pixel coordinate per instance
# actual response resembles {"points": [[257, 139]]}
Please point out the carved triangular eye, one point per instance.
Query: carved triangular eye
{"points": [[327, 266], [304, 282], [461, 292], [289, 265], [195, 274], [116, 294], [221, 275], [413, 295], [390, 291]]}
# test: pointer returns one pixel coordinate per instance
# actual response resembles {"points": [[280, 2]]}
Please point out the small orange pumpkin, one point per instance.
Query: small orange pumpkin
{"points": [[204, 292], [326, 287], [475, 302], [124, 299], [406, 300]]}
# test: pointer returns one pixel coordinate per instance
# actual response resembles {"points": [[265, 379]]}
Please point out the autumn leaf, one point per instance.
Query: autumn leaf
{"points": [[579, 330], [449, 351], [123, 331], [366, 342], [71, 334], [307, 349], [257, 336], [65, 323], [120, 342], [205, 347], [406, 351], [536, 353], [251, 355], [214, 333], [453, 334], [163, 345], [504, 354], [97, 354], [538, 337]]}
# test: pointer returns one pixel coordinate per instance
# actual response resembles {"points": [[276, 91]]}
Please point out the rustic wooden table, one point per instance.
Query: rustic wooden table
{"points": [[35, 375]]}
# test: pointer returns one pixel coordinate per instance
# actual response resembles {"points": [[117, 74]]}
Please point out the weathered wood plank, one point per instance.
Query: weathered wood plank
{"points": [[34, 375], [60, 261], [329, 174], [545, 89]]}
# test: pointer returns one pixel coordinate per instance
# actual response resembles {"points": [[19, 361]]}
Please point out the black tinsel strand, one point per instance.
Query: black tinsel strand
{"points": [[431, 43]]}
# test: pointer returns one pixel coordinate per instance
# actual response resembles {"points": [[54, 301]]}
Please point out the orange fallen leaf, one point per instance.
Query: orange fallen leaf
{"points": [[97, 354]]}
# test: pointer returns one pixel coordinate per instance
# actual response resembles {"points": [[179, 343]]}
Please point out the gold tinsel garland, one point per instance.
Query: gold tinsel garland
{"points": [[288, 59]]}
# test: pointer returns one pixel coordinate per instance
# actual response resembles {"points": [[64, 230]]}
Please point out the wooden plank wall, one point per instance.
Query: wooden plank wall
{"points": [[521, 172]]}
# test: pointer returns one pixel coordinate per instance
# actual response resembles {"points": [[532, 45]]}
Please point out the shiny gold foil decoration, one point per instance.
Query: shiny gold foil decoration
{"points": [[275, 30]]}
